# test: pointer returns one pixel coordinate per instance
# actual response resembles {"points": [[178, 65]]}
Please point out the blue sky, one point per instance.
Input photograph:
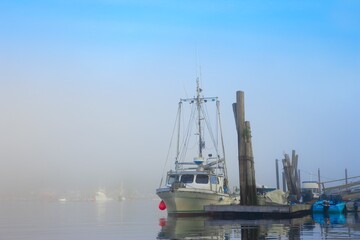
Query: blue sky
{"points": [[89, 89]]}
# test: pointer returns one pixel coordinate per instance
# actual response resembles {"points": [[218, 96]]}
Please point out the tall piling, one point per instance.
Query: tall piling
{"points": [[277, 174], [319, 180], [346, 177], [292, 175], [283, 181], [246, 159]]}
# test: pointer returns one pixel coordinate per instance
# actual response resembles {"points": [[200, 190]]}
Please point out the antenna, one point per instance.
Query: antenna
{"points": [[200, 74], [198, 66]]}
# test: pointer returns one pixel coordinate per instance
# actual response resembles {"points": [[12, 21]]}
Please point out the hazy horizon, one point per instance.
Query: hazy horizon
{"points": [[89, 90]]}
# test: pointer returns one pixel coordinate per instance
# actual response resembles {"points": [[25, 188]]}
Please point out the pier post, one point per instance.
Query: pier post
{"points": [[284, 181], [277, 174], [246, 159], [346, 177], [299, 181], [292, 175], [319, 180]]}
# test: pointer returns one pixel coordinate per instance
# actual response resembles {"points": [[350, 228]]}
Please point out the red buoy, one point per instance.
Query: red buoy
{"points": [[162, 205], [162, 222]]}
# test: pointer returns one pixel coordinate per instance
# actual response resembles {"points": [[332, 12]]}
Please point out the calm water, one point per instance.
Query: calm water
{"points": [[141, 219]]}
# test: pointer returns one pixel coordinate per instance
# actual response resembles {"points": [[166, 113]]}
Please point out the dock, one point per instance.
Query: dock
{"points": [[249, 208], [258, 212]]}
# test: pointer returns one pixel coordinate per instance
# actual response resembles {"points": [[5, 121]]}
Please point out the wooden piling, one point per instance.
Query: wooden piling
{"points": [[284, 181], [277, 174], [346, 177], [319, 182], [246, 159], [292, 175]]}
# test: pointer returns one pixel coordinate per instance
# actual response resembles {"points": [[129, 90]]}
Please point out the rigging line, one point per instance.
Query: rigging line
{"points": [[309, 173], [208, 125], [186, 137], [213, 138], [313, 174], [217, 121], [168, 153], [221, 136], [327, 178], [184, 88], [197, 61], [183, 134]]}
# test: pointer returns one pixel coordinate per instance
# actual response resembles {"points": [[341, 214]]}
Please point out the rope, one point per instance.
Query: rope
{"points": [[168, 153]]}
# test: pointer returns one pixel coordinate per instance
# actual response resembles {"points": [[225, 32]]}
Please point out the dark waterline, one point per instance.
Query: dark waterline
{"points": [[141, 219]]}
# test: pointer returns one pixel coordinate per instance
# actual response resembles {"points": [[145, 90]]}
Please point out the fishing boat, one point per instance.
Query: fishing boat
{"points": [[310, 190], [329, 204], [100, 196], [203, 180]]}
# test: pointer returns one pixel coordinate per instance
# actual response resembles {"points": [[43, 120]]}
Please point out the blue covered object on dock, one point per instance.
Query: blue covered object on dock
{"points": [[329, 204]]}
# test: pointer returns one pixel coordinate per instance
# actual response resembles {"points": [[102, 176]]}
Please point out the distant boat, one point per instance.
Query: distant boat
{"points": [[329, 204], [310, 190], [62, 200], [202, 181], [100, 196], [121, 196]]}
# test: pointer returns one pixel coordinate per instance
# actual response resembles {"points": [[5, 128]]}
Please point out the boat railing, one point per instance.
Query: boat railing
{"points": [[215, 161], [186, 163]]}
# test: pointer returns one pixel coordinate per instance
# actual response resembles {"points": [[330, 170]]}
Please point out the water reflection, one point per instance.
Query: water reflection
{"points": [[328, 219], [105, 210], [309, 227], [338, 225], [207, 228], [100, 211], [191, 228]]}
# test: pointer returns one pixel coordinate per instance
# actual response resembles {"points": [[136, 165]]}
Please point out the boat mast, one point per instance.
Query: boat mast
{"points": [[178, 136], [198, 102], [178, 133]]}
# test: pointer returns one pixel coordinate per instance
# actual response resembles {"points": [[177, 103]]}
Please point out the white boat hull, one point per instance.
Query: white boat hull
{"points": [[187, 201]]}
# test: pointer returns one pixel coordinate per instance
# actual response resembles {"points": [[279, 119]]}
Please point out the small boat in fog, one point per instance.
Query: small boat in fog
{"points": [[202, 181], [310, 190], [100, 196]]}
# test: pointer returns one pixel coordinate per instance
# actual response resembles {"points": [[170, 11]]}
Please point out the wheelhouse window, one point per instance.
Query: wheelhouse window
{"points": [[214, 180], [173, 178], [202, 179], [187, 178]]}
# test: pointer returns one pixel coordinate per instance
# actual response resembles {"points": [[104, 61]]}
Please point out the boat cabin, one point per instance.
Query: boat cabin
{"points": [[310, 187], [197, 180]]}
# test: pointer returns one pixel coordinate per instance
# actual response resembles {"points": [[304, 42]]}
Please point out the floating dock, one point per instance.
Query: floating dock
{"points": [[258, 212]]}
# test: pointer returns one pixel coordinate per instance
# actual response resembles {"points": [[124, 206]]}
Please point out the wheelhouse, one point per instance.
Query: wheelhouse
{"points": [[197, 180]]}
